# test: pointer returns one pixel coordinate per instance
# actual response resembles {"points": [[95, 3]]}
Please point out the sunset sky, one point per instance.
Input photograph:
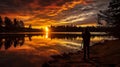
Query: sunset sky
{"points": [[52, 12]]}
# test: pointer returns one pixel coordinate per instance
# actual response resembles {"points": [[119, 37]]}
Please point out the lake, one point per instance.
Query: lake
{"points": [[33, 49]]}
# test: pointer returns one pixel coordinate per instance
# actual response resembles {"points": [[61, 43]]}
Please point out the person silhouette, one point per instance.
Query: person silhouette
{"points": [[86, 42]]}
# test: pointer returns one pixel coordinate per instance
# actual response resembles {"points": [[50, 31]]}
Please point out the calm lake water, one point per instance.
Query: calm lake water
{"points": [[29, 49]]}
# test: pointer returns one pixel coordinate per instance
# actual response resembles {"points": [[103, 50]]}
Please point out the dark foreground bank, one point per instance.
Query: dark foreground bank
{"points": [[105, 54]]}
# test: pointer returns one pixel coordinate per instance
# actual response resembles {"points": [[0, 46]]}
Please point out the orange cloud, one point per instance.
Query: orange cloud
{"points": [[37, 12], [53, 8]]}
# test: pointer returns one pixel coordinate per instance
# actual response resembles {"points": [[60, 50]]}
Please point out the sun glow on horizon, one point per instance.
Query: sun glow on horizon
{"points": [[46, 29]]}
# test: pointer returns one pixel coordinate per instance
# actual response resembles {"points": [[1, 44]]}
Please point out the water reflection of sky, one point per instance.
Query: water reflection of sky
{"points": [[44, 43], [38, 48]]}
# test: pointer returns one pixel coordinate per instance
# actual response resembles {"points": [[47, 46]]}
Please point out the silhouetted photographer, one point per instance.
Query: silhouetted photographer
{"points": [[86, 43]]}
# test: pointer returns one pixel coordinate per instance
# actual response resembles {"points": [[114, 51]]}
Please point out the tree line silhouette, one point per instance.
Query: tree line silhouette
{"points": [[15, 25], [8, 23], [79, 29]]}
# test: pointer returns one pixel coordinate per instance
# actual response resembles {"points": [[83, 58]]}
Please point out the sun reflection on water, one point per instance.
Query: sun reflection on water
{"points": [[46, 35], [46, 32]]}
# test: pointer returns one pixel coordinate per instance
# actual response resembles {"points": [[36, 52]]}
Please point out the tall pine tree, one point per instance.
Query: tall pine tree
{"points": [[112, 17]]}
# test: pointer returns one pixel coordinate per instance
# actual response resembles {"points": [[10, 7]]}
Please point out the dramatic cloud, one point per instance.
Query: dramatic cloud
{"points": [[83, 13], [50, 12]]}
